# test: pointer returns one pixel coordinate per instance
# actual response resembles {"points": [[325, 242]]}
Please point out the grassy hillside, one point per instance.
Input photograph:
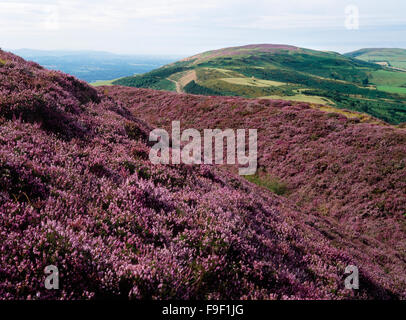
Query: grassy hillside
{"points": [[390, 79], [285, 72], [102, 83], [391, 57]]}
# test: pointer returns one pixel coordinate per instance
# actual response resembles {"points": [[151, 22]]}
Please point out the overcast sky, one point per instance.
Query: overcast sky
{"points": [[186, 27]]}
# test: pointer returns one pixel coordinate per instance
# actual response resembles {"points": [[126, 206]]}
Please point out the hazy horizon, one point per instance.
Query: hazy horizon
{"points": [[183, 28], [70, 51]]}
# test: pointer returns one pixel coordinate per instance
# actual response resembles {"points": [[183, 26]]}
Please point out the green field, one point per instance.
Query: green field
{"points": [[301, 98], [392, 89], [103, 83], [388, 78], [253, 82]]}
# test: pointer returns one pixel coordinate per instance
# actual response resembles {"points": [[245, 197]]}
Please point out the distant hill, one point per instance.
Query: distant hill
{"points": [[92, 66], [285, 72], [392, 57]]}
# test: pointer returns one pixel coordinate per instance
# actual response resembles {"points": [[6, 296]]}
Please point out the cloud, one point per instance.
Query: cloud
{"points": [[23, 16], [265, 14], [168, 25]]}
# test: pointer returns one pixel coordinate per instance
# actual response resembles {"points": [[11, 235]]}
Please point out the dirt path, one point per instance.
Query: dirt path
{"points": [[178, 87], [188, 77]]}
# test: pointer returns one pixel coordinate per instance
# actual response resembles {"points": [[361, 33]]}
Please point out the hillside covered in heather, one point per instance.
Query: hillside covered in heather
{"points": [[346, 176], [77, 191]]}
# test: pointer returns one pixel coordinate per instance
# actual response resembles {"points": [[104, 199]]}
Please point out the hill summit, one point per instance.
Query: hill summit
{"points": [[243, 50]]}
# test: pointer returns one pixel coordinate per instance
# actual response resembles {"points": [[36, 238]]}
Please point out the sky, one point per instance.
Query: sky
{"points": [[187, 27]]}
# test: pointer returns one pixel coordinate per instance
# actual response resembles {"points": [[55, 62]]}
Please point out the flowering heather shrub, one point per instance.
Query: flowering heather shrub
{"points": [[37, 95], [347, 179], [83, 196]]}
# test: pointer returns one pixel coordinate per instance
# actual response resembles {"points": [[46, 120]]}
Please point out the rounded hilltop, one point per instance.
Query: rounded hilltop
{"points": [[243, 50]]}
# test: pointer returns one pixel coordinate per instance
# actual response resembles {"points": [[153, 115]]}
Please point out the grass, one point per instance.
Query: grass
{"points": [[388, 78], [363, 117], [392, 89], [102, 83], [224, 71], [165, 85], [177, 76], [204, 74], [301, 98], [253, 82], [270, 183]]}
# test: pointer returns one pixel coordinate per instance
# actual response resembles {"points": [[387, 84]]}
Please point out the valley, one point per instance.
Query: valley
{"points": [[93, 66]]}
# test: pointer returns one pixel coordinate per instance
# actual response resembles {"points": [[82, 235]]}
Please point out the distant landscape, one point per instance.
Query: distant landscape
{"points": [[289, 73], [92, 66], [395, 58]]}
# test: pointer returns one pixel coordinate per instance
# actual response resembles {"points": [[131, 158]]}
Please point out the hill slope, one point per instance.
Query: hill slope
{"points": [[391, 57], [394, 60], [346, 178], [283, 72], [77, 191]]}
